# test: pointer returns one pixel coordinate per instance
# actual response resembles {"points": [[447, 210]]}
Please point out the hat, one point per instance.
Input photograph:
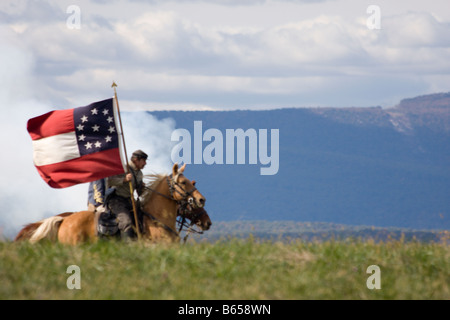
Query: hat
{"points": [[140, 154]]}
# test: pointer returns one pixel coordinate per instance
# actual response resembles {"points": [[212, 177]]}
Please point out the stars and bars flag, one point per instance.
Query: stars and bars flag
{"points": [[78, 145]]}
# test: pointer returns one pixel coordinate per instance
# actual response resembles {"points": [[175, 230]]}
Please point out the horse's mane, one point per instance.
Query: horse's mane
{"points": [[153, 182]]}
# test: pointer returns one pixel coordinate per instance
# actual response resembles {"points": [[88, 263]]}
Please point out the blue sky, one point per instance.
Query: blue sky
{"points": [[227, 54]]}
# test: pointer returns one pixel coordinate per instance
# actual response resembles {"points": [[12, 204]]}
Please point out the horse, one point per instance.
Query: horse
{"points": [[197, 216], [164, 196]]}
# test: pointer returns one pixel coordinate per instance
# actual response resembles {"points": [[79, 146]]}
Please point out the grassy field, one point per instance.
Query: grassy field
{"points": [[226, 269]]}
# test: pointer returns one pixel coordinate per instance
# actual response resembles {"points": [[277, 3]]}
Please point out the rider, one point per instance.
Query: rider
{"points": [[120, 200]]}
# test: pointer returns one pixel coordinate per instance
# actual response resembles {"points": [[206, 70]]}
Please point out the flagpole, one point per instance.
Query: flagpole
{"points": [[114, 85]]}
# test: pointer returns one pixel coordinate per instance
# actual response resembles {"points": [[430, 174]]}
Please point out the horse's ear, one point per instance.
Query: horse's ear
{"points": [[175, 169], [182, 168], [194, 182]]}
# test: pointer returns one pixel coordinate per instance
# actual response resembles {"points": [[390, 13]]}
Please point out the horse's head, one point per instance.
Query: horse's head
{"points": [[182, 189], [199, 217], [168, 197]]}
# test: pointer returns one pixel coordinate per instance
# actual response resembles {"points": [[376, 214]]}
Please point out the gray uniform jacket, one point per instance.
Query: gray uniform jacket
{"points": [[122, 187]]}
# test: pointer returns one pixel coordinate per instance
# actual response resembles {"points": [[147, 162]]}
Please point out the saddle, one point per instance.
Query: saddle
{"points": [[107, 224]]}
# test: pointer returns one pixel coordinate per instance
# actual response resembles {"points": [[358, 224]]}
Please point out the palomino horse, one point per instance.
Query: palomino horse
{"points": [[198, 217], [160, 205]]}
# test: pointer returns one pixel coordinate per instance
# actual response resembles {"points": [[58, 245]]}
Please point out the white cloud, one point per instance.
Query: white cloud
{"points": [[160, 49], [413, 43], [154, 34], [415, 29]]}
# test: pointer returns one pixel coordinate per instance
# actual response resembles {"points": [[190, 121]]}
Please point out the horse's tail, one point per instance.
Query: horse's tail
{"points": [[27, 231], [47, 230], [30, 229]]}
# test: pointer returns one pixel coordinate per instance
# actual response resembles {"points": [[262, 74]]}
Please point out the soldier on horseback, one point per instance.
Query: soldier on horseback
{"points": [[119, 201]]}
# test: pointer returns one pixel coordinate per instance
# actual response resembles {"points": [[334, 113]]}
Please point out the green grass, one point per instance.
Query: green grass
{"points": [[227, 269]]}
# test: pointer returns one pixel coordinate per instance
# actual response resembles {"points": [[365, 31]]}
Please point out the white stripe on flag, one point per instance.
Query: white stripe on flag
{"points": [[55, 149]]}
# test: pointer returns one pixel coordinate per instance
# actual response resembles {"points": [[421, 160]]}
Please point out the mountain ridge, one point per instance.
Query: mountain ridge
{"points": [[358, 166], [431, 111]]}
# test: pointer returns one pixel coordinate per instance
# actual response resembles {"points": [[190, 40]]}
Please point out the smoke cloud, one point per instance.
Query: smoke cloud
{"points": [[24, 196]]}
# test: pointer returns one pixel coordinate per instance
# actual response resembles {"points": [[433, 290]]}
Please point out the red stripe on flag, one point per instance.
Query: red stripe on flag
{"points": [[84, 169], [51, 123]]}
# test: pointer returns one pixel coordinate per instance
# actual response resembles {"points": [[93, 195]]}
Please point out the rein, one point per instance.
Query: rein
{"points": [[182, 207], [165, 226]]}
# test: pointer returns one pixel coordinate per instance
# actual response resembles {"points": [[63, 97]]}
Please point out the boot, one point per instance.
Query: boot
{"points": [[128, 234]]}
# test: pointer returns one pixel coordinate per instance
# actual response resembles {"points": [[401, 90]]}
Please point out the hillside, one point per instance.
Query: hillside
{"points": [[430, 112], [315, 231], [224, 270], [355, 166]]}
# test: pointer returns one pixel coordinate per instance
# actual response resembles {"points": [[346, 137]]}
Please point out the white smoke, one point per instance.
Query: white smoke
{"points": [[144, 131], [24, 196]]}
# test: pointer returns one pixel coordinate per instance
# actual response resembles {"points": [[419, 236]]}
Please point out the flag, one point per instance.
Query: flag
{"points": [[77, 145]]}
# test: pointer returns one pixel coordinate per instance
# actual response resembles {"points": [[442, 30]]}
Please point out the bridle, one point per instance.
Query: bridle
{"points": [[184, 206], [184, 196]]}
